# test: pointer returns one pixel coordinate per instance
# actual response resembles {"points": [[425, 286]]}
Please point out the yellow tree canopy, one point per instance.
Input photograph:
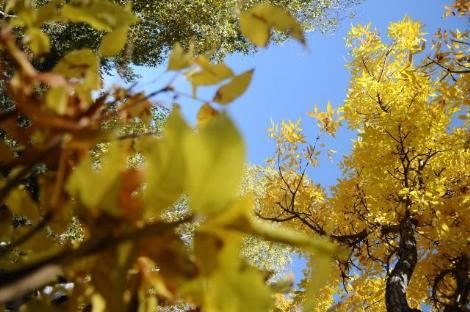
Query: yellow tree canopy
{"points": [[402, 204]]}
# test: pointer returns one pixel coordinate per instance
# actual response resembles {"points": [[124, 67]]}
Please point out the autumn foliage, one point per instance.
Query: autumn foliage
{"points": [[135, 209]]}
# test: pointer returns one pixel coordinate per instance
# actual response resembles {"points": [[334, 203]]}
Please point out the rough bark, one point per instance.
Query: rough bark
{"points": [[460, 300], [399, 278]]}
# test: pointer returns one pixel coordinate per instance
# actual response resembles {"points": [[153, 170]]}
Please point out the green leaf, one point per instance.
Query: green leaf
{"points": [[234, 89], [179, 59], [257, 23], [37, 40], [100, 14], [214, 162], [113, 42]]}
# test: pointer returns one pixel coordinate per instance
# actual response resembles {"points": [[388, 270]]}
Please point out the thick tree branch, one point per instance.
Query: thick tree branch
{"points": [[399, 278]]}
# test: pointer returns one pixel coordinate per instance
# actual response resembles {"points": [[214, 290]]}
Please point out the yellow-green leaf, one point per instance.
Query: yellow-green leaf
{"points": [[56, 100], [238, 291], [83, 67], [179, 59], [205, 114], [234, 89], [210, 75], [165, 165], [255, 29], [113, 42], [214, 162], [257, 23], [100, 14], [38, 41], [95, 187]]}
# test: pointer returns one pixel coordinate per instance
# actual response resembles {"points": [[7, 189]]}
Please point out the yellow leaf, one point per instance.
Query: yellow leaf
{"points": [[82, 66], [321, 273], [329, 109], [113, 42], [214, 162], [95, 188], [165, 164], [38, 41], [98, 303], [235, 88], [240, 218], [445, 227], [212, 74], [100, 14], [205, 114], [56, 100], [238, 291], [230, 284], [256, 24], [179, 59], [20, 203], [255, 29]]}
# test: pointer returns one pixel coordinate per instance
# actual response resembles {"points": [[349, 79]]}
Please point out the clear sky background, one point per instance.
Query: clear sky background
{"points": [[290, 79]]}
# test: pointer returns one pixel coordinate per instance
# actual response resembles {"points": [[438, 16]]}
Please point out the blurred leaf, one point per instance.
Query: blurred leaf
{"points": [[100, 14], [257, 23], [210, 73], [171, 257], [179, 59], [38, 41], [165, 164], [113, 42], [82, 68], [91, 186], [214, 161], [20, 203], [241, 291], [56, 100], [320, 275], [235, 88], [205, 114]]}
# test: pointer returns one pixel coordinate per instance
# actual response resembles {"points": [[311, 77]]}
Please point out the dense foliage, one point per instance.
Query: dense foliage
{"points": [[209, 26], [111, 202], [401, 206], [96, 192]]}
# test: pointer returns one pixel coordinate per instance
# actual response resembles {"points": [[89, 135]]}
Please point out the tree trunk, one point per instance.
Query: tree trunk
{"points": [[399, 278]]}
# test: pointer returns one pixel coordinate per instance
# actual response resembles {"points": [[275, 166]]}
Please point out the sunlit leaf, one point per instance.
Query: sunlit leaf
{"points": [[82, 68], [205, 114], [235, 88], [94, 187], [38, 41], [113, 42], [214, 158], [56, 100], [257, 23], [210, 74], [100, 14], [166, 165], [179, 59]]}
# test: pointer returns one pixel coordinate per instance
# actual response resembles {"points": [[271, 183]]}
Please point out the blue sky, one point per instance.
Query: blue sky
{"points": [[290, 79]]}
